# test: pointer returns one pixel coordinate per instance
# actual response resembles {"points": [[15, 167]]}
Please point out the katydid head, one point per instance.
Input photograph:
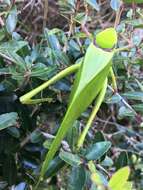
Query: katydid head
{"points": [[107, 39]]}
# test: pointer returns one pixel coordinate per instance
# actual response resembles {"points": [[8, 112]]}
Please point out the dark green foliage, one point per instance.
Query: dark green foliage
{"points": [[27, 131]]}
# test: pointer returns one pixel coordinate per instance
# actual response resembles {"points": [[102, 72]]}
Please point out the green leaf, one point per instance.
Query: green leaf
{"points": [[119, 179], [36, 136], [14, 132], [11, 21], [134, 95], [77, 178], [41, 71], [80, 18], [12, 45], [8, 120], [98, 137], [113, 99], [10, 54], [52, 40], [94, 4], [139, 146], [133, 1], [71, 159], [136, 23], [97, 150], [138, 107], [107, 162], [122, 160], [88, 83], [125, 112], [67, 7], [54, 167], [107, 38]]}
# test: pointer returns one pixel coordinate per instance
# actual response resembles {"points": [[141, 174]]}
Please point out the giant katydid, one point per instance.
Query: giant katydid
{"points": [[90, 83]]}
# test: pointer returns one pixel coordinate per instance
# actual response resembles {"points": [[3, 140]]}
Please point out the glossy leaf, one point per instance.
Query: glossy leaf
{"points": [[41, 71], [96, 151], [88, 83], [13, 131], [113, 100], [11, 21], [119, 179], [139, 146], [134, 95], [12, 45], [107, 38], [71, 159], [8, 120], [107, 162], [98, 137], [122, 160], [77, 179], [14, 57], [36, 136], [54, 167], [52, 40], [125, 112]]}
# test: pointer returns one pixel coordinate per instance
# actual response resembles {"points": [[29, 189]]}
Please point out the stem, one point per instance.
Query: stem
{"points": [[91, 167], [46, 6], [92, 116], [26, 99], [123, 48], [37, 184], [95, 177], [118, 16], [114, 83]]}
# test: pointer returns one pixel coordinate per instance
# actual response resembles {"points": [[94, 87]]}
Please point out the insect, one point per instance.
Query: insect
{"points": [[90, 84]]}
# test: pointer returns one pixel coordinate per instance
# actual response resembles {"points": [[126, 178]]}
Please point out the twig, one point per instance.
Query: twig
{"points": [[118, 16], [119, 127], [27, 5], [49, 136], [45, 13]]}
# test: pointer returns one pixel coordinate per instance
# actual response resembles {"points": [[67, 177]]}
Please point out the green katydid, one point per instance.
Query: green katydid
{"points": [[90, 83]]}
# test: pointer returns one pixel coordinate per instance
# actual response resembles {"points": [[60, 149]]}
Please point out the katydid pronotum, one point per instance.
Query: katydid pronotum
{"points": [[90, 83]]}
